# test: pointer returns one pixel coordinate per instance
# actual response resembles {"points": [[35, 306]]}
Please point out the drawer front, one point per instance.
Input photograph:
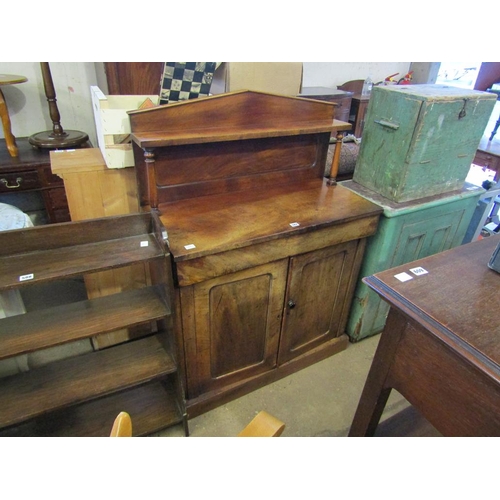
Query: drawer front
{"points": [[57, 198], [342, 103], [56, 204], [51, 179], [343, 109], [19, 181]]}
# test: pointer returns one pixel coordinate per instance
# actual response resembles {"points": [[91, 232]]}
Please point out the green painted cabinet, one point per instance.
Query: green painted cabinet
{"points": [[406, 232], [420, 140]]}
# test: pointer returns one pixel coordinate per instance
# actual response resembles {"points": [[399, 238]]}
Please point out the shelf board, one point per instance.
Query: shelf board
{"points": [[82, 378], [78, 320], [202, 136], [152, 408], [37, 266]]}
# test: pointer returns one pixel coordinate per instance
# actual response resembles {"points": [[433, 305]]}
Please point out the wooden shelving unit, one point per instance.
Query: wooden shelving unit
{"points": [[82, 395]]}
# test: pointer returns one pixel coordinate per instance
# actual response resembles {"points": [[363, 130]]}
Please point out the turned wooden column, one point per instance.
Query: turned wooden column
{"points": [[334, 169], [149, 160], [57, 138]]}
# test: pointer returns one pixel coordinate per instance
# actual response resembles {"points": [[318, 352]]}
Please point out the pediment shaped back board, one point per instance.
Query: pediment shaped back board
{"points": [[229, 142]]}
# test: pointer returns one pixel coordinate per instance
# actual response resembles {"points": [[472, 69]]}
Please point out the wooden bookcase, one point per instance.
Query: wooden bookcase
{"points": [[265, 251], [81, 395]]}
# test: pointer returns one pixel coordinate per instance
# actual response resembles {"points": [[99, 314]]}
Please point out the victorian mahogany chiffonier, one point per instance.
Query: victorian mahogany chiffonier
{"points": [[265, 250]]}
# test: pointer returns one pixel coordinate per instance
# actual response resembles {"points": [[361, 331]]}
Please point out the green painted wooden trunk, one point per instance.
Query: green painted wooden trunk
{"points": [[420, 140], [406, 232]]}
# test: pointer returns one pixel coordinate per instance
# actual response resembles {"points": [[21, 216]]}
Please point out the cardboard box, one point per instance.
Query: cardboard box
{"points": [[283, 78], [113, 125]]}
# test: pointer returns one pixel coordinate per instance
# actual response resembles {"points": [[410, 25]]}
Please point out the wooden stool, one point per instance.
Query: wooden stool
{"points": [[10, 140]]}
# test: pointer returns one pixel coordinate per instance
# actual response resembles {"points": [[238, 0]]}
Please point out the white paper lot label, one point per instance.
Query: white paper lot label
{"points": [[419, 271], [403, 277]]}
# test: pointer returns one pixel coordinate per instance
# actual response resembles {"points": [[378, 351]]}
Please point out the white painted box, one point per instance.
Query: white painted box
{"points": [[113, 125]]}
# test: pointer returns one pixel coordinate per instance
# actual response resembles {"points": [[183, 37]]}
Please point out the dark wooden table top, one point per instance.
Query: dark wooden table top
{"points": [[28, 157], [323, 91], [492, 147], [457, 300]]}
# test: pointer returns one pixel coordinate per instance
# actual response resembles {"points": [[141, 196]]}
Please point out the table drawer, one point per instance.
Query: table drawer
{"points": [[50, 179], [56, 204], [57, 197], [19, 181], [343, 109], [486, 160]]}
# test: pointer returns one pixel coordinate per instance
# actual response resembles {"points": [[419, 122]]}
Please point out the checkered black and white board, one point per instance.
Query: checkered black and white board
{"points": [[186, 80]]}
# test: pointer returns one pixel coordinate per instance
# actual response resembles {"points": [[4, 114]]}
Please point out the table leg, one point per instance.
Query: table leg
{"points": [[10, 140], [376, 392]]}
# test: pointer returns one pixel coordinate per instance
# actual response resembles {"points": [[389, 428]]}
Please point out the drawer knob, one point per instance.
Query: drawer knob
{"points": [[290, 304], [6, 182]]}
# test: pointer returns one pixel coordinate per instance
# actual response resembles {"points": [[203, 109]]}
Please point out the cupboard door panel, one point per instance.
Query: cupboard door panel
{"points": [[237, 325], [319, 289]]}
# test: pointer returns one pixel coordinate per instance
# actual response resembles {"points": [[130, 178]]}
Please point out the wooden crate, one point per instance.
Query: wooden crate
{"points": [[420, 140], [113, 125]]}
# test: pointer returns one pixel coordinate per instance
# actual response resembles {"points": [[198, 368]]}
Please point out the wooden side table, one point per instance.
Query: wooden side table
{"points": [[340, 98], [440, 346], [30, 171], [357, 116], [10, 140]]}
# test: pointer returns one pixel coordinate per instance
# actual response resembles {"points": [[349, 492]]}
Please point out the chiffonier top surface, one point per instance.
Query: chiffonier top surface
{"points": [[211, 224]]}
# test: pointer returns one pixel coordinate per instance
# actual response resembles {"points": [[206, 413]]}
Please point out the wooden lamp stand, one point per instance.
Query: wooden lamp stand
{"points": [[57, 138]]}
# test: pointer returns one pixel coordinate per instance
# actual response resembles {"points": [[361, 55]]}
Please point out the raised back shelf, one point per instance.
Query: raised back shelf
{"points": [[232, 116], [234, 142]]}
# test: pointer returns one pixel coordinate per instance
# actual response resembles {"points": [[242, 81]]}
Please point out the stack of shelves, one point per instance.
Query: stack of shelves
{"points": [[81, 395]]}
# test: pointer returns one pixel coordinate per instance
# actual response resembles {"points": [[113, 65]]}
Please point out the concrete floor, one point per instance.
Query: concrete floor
{"points": [[318, 401]]}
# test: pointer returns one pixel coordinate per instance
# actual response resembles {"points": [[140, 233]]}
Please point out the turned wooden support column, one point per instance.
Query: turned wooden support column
{"points": [[149, 159], [334, 168]]}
